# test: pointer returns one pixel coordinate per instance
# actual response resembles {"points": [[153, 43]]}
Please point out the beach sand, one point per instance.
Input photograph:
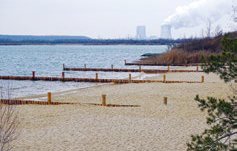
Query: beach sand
{"points": [[153, 126]]}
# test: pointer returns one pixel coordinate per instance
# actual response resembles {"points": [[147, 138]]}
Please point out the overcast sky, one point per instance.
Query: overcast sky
{"points": [[93, 18]]}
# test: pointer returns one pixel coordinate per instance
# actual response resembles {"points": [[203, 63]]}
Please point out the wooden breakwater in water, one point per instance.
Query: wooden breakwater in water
{"points": [[146, 64], [93, 80], [157, 64], [129, 70], [115, 70]]}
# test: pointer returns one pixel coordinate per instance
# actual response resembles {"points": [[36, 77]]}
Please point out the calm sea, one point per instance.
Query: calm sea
{"points": [[48, 61]]}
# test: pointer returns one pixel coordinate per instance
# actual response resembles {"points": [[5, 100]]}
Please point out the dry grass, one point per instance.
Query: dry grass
{"points": [[191, 52], [176, 57]]}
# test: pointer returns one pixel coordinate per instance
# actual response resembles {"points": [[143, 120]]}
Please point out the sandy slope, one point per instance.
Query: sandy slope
{"points": [[153, 126]]}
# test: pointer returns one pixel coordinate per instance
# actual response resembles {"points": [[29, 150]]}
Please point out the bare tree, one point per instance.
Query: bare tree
{"points": [[209, 28], [202, 34], [218, 31], [8, 126], [8, 122], [235, 13]]}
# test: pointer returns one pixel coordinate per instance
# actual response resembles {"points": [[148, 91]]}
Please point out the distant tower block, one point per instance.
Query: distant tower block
{"points": [[166, 32], [141, 32]]}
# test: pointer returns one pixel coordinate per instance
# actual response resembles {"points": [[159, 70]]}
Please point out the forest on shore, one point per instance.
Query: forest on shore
{"points": [[82, 40]]}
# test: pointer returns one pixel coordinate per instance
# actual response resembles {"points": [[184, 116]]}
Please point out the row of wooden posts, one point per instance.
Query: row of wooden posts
{"points": [[103, 99], [112, 67], [140, 68], [129, 77], [32, 102], [50, 102], [49, 99], [157, 64]]}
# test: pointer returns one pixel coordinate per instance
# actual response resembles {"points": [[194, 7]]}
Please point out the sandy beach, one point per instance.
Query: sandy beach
{"points": [[153, 126]]}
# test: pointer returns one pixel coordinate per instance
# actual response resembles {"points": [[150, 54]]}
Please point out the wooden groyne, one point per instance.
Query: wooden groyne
{"points": [[92, 80], [115, 70], [151, 71], [49, 102], [146, 64], [157, 64], [29, 102]]}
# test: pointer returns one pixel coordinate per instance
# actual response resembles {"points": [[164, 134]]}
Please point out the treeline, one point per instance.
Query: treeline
{"points": [[31, 40], [212, 44], [40, 38]]}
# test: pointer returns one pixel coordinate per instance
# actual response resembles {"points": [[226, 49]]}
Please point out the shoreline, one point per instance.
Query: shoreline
{"points": [[64, 92]]}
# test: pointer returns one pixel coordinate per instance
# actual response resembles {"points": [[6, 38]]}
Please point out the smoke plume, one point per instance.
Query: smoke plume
{"points": [[198, 12]]}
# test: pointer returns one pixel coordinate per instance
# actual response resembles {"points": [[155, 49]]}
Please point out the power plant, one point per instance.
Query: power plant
{"points": [[166, 32]]}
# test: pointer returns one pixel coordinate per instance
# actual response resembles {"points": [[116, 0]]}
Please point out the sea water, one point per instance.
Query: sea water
{"points": [[48, 60]]}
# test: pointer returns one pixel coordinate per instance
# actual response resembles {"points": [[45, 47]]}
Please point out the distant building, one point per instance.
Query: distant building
{"points": [[166, 32], [141, 32], [153, 37]]}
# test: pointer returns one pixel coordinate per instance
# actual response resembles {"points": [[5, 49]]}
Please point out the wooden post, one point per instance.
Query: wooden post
{"points": [[203, 79], [168, 68], [103, 100], [33, 75], [140, 68], [49, 98], [186, 63], [85, 66], [165, 100], [96, 76], [63, 75], [112, 66], [164, 78], [197, 68], [130, 77]]}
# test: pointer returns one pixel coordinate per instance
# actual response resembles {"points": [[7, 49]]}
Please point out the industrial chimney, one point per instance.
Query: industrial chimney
{"points": [[166, 32]]}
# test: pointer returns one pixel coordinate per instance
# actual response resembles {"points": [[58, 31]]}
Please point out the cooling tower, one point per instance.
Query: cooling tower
{"points": [[166, 32]]}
